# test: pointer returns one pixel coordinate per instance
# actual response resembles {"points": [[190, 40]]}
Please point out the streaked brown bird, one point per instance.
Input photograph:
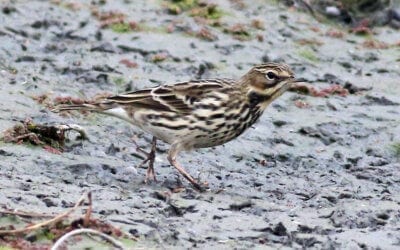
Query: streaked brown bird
{"points": [[197, 114]]}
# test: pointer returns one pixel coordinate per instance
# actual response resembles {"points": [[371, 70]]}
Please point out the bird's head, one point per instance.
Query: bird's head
{"points": [[268, 81]]}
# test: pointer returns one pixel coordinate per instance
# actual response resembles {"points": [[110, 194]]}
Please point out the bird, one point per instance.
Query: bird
{"points": [[198, 113]]}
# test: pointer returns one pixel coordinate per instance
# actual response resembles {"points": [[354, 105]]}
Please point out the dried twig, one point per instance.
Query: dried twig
{"points": [[45, 223], [26, 214], [65, 237], [86, 219]]}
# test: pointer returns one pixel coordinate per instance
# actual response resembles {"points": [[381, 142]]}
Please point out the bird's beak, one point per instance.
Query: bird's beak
{"points": [[290, 80], [302, 80]]}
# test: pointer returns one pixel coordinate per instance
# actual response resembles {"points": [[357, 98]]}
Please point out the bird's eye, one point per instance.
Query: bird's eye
{"points": [[271, 75]]}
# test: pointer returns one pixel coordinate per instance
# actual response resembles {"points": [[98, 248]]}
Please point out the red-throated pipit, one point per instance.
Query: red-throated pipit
{"points": [[197, 114]]}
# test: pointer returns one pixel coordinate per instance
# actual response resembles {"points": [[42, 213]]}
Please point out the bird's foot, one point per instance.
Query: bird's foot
{"points": [[150, 174], [150, 158], [200, 186]]}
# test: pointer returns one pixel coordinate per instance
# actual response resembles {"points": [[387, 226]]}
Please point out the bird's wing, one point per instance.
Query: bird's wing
{"points": [[180, 97]]}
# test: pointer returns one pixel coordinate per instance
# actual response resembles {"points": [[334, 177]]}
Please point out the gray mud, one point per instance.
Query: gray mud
{"points": [[324, 175]]}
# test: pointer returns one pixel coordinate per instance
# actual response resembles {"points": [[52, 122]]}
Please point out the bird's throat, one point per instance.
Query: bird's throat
{"points": [[256, 98]]}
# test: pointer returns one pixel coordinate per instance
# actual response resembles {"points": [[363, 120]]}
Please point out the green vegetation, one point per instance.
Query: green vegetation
{"points": [[309, 55], [145, 27], [178, 6], [396, 149], [121, 27], [119, 81], [45, 235], [208, 11], [129, 243]]}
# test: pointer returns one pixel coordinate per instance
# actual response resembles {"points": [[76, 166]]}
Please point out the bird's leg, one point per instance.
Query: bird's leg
{"points": [[150, 158], [172, 153]]}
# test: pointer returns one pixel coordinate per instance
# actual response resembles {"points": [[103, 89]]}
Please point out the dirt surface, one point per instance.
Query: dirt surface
{"points": [[318, 172]]}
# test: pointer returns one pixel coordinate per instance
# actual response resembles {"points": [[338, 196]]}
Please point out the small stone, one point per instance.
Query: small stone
{"points": [[280, 230], [49, 202], [332, 11]]}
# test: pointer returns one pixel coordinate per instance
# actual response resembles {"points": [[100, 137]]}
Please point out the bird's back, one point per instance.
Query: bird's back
{"points": [[190, 113]]}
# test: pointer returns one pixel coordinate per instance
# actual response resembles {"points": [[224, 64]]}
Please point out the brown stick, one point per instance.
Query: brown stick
{"points": [[48, 222], [86, 219], [26, 214]]}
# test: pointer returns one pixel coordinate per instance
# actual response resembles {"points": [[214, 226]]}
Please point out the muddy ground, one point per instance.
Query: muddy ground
{"points": [[318, 172]]}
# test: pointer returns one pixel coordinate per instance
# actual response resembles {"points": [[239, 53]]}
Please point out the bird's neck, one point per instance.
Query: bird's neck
{"points": [[257, 99]]}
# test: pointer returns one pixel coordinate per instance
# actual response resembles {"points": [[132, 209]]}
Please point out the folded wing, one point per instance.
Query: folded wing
{"points": [[179, 98]]}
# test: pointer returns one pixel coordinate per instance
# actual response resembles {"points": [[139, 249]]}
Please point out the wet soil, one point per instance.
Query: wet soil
{"points": [[324, 174]]}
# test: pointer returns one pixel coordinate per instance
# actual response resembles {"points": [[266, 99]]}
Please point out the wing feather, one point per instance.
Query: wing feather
{"points": [[180, 98]]}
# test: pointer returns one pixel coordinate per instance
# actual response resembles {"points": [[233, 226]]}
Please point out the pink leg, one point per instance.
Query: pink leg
{"points": [[174, 150], [150, 158]]}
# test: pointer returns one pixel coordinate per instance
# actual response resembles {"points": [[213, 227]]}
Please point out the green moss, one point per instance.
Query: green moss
{"points": [[178, 6], [309, 55], [119, 81], [49, 236], [126, 28], [210, 11], [396, 149], [128, 243], [121, 27], [205, 10], [147, 28], [365, 34], [45, 235], [174, 9], [10, 219]]}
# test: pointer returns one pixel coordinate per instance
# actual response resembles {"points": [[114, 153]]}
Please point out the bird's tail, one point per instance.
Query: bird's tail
{"points": [[107, 108], [96, 107]]}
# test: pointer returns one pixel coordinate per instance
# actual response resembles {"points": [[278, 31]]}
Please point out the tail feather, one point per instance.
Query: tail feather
{"points": [[112, 109], [98, 107]]}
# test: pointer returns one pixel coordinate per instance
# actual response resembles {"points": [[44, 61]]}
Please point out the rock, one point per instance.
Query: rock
{"points": [[240, 206], [104, 47], [49, 202], [332, 11], [382, 100]]}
